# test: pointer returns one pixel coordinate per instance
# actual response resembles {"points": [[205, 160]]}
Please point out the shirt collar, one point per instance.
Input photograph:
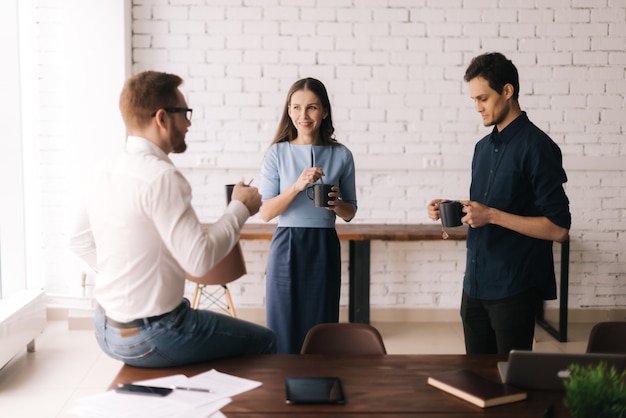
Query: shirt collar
{"points": [[511, 129], [138, 143]]}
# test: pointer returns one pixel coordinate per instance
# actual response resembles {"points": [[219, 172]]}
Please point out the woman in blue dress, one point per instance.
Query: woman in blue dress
{"points": [[303, 275]]}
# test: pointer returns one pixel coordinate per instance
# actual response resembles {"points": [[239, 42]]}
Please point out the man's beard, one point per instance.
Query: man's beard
{"points": [[178, 142], [180, 148]]}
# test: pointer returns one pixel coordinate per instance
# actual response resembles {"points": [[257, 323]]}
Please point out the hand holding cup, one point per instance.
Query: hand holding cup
{"points": [[318, 193], [246, 194]]}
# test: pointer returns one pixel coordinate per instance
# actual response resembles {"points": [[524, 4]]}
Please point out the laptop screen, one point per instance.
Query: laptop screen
{"points": [[537, 370]]}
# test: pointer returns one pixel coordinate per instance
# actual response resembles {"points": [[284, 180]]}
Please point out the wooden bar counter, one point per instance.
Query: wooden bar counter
{"points": [[368, 232], [360, 237]]}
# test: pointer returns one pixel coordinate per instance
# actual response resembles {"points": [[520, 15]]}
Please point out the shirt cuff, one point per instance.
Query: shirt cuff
{"points": [[241, 212]]}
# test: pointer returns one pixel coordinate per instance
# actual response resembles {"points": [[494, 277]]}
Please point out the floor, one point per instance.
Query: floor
{"points": [[68, 364]]}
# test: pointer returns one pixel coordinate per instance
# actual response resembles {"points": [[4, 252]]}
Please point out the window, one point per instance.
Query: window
{"points": [[12, 224], [46, 147]]}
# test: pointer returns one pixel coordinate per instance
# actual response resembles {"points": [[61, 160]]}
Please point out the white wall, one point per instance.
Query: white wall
{"points": [[394, 71]]}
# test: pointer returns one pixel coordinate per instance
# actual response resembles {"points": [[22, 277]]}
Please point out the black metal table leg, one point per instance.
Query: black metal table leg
{"points": [[359, 266], [561, 333]]}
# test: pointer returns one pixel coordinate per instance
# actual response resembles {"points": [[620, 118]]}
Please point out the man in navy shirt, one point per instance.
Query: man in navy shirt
{"points": [[517, 208]]}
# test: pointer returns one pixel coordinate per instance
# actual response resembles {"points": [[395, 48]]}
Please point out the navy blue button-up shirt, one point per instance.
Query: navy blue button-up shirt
{"points": [[519, 171]]}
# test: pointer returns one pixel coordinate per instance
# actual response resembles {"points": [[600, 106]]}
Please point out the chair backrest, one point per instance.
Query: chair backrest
{"points": [[343, 338], [608, 337], [229, 269]]}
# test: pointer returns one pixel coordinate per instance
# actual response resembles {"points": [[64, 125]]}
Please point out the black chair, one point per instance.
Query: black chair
{"points": [[343, 338], [608, 337]]}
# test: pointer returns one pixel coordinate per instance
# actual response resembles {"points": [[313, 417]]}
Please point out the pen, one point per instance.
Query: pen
{"points": [[313, 162], [250, 182], [192, 389]]}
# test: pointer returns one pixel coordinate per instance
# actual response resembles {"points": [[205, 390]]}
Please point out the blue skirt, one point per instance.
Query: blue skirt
{"points": [[303, 281]]}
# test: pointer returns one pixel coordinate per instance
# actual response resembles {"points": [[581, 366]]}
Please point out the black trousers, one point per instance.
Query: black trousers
{"points": [[498, 326]]}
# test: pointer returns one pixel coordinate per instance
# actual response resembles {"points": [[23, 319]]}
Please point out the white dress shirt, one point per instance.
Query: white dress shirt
{"points": [[138, 231]]}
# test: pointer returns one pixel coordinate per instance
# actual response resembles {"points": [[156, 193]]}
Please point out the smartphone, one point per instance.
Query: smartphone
{"points": [[314, 390], [143, 390]]}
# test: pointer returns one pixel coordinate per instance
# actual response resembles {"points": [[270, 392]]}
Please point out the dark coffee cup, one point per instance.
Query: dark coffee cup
{"points": [[318, 193], [229, 193], [451, 213]]}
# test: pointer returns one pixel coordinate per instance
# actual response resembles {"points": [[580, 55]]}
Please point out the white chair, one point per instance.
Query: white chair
{"points": [[232, 267]]}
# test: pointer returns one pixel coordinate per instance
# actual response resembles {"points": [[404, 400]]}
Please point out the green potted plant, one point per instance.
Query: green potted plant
{"points": [[596, 391]]}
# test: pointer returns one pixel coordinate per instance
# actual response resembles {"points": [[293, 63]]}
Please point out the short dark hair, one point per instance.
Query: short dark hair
{"points": [[496, 69], [287, 131], [146, 92]]}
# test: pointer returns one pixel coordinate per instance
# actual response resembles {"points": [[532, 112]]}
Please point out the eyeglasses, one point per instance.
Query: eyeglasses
{"points": [[186, 111]]}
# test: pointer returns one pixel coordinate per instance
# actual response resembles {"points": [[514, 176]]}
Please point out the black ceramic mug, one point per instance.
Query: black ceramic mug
{"points": [[318, 193], [451, 213], [229, 193]]}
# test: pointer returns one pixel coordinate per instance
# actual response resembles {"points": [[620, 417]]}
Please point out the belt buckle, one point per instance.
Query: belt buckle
{"points": [[129, 332]]}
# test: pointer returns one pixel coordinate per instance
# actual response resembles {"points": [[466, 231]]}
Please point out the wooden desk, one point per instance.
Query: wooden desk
{"points": [[360, 237], [375, 386]]}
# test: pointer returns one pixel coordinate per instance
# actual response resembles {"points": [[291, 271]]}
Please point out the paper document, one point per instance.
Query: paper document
{"points": [[205, 395]]}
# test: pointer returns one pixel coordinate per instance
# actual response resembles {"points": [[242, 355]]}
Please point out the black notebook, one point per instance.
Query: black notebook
{"points": [[314, 390]]}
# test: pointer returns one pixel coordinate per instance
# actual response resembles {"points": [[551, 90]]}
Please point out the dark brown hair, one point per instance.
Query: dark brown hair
{"points": [[145, 93], [287, 131], [496, 69]]}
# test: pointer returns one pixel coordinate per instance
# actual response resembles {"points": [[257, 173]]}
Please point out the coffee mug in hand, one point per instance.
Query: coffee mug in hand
{"points": [[229, 193], [451, 213], [318, 193]]}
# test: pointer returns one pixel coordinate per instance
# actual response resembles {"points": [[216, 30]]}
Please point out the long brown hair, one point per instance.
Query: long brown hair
{"points": [[287, 131]]}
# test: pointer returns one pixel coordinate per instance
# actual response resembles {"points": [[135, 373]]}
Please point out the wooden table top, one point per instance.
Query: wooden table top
{"points": [[360, 232], [380, 386]]}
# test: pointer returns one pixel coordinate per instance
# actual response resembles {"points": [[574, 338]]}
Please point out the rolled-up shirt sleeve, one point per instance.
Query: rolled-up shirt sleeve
{"points": [[196, 249]]}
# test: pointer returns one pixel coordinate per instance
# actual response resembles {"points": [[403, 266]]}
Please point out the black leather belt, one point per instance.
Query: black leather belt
{"points": [[134, 323]]}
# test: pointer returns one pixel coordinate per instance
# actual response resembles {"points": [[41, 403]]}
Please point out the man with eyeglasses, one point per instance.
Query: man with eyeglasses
{"points": [[138, 231]]}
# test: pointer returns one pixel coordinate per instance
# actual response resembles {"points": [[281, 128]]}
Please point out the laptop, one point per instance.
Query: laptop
{"points": [[536, 370]]}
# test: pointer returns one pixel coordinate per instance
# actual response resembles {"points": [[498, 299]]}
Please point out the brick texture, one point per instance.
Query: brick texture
{"points": [[394, 71]]}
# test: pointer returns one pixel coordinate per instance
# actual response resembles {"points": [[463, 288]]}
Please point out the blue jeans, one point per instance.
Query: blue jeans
{"points": [[183, 336]]}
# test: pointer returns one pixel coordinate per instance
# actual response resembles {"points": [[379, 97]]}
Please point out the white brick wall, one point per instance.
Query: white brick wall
{"points": [[394, 71]]}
